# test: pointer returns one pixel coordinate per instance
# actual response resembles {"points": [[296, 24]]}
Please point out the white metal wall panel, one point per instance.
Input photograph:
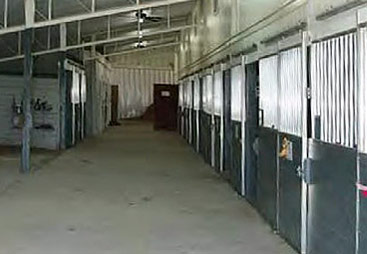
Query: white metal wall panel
{"points": [[196, 93], [218, 93], [136, 88], [180, 94], [189, 99], [236, 92], [362, 119], [269, 91], [208, 94], [334, 89], [290, 92], [11, 88]]}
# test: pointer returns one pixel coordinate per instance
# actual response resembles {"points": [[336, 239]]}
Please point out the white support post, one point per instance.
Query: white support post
{"points": [[6, 8], [109, 27], [63, 37], [93, 7], [79, 32], [49, 9], [168, 16], [30, 10]]}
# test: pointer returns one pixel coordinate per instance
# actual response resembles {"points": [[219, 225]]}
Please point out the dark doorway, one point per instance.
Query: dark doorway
{"points": [[165, 106], [114, 105]]}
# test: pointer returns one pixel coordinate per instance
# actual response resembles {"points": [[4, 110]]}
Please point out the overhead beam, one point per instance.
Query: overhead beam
{"points": [[95, 14], [100, 42], [129, 51]]}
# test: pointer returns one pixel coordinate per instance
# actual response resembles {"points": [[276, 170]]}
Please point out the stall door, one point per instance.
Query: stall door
{"points": [[235, 143], [227, 132], [196, 114], [218, 122], [332, 163], [267, 174], [290, 146], [206, 119], [251, 107], [165, 105]]}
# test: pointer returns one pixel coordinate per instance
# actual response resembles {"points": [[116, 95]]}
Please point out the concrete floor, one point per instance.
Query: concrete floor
{"points": [[129, 191]]}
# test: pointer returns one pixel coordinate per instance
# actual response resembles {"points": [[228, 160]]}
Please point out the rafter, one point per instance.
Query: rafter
{"points": [[94, 14]]}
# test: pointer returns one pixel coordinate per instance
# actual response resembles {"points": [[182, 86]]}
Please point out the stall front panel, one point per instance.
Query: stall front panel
{"points": [[206, 118], [237, 77], [290, 146], [332, 154], [251, 132], [196, 113], [218, 121], [267, 175]]}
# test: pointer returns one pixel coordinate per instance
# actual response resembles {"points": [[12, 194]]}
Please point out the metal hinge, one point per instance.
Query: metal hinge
{"points": [[308, 92], [307, 171]]}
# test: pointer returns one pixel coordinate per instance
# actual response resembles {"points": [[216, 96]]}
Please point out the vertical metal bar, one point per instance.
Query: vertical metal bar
{"points": [[49, 9], [49, 37], [222, 105], [213, 120], [79, 32], [28, 71], [304, 205], [63, 36], [168, 16], [93, 7], [243, 124], [19, 43], [359, 98], [6, 8], [109, 27]]}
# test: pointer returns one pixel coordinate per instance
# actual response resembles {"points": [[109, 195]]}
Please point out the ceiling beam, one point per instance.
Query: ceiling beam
{"points": [[95, 14], [99, 42], [129, 51]]}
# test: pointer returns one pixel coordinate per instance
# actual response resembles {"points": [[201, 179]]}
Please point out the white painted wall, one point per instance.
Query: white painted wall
{"points": [[12, 87], [136, 87], [238, 24]]}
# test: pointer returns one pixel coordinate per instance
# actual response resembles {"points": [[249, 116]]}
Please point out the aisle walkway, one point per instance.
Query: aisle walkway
{"points": [[130, 191]]}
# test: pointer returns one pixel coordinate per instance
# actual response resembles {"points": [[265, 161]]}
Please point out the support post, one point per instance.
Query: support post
{"points": [[28, 70]]}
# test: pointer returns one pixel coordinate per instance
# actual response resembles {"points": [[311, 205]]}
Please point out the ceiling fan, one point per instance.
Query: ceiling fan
{"points": [[144, 15]]}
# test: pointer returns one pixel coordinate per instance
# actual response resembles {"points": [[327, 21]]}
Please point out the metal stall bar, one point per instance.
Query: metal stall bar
{"points": [[243, 125], [305, 98]]}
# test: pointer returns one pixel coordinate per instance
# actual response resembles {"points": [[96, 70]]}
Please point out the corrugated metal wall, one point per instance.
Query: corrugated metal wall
{"points": [[334, 90], [290, 92], [363, 93], [218, 93], [136, 88], [11, 88], [236, 92], [269, 91], [196, 93], [208, 94]]}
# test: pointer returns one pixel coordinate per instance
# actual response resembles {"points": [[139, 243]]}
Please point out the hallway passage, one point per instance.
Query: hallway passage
{"points": [[130, 191]]}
